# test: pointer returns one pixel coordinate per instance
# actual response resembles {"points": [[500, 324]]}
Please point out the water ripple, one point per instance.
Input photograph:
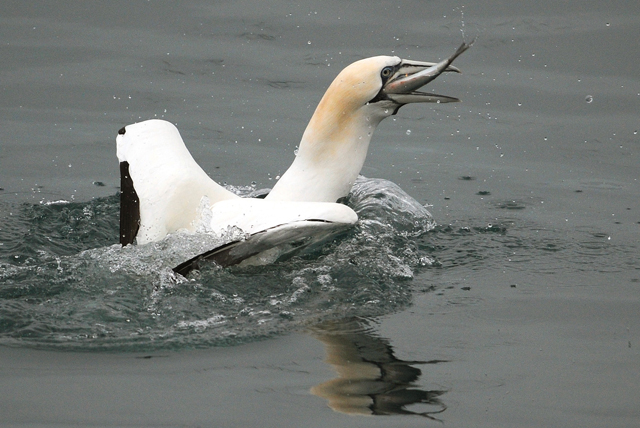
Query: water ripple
{"points": [[526, 247], [66, 284]]}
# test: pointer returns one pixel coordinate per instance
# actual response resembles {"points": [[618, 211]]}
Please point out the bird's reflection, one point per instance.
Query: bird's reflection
{"points": [[371, 380]]}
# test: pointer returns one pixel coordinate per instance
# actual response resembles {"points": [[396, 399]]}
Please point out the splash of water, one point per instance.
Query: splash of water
{"points": [[65, 283]]}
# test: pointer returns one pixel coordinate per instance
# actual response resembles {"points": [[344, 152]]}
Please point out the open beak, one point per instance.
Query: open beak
{"points": [[412, 75]]}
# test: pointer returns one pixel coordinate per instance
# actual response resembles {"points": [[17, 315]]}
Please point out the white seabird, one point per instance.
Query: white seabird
{"points": [[164, 190]]}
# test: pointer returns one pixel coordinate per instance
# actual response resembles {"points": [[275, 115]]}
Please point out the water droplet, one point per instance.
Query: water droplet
{"points": [[589, 99], [607, 24], [408, 132]]}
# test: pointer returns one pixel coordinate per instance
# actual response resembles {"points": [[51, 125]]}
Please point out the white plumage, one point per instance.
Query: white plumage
{"points": [[171, 192]]}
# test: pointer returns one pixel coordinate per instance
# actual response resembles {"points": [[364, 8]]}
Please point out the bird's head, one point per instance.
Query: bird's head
{"points": [[386, 83]]}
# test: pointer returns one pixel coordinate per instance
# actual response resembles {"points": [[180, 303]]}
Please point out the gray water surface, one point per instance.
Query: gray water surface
{"points": [[520, 308]]}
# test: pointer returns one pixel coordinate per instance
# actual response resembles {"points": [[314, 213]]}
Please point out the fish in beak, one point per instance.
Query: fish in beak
{"points": [[403, 80]]}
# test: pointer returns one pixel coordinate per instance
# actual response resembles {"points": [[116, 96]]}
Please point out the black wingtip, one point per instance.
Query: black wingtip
{"points": [[122, 130], [129, 207], [222, 256]]}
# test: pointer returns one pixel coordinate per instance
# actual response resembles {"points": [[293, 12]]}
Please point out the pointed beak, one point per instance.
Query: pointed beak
{"points": [[412, 75]]}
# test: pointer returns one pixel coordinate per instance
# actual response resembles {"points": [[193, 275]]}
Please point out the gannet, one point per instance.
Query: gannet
{"points": [[164, 190]]}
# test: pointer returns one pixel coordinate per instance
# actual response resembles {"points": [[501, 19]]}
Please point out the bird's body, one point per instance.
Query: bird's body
{"points": [[171, 192]]}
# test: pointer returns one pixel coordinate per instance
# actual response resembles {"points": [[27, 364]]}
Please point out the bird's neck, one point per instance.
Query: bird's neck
{"points": [[330, 156]]}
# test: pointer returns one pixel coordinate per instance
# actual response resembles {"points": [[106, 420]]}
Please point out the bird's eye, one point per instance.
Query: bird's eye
{"points": [[386, 72]]}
